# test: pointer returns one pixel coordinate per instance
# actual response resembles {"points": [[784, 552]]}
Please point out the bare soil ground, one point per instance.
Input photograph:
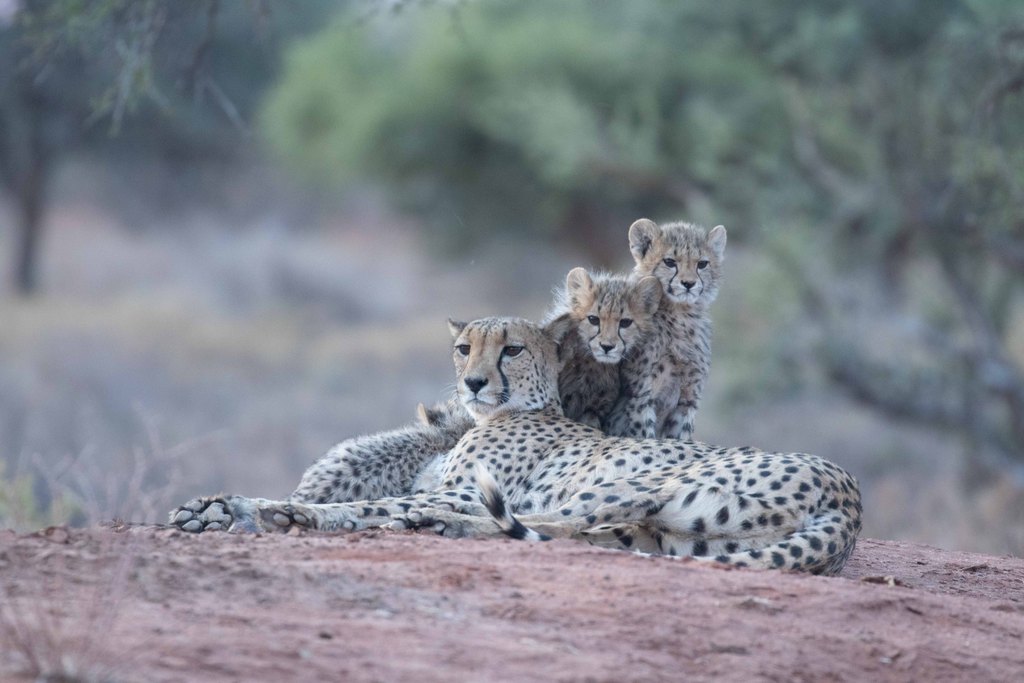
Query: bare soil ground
{"points": [[153, 604]]}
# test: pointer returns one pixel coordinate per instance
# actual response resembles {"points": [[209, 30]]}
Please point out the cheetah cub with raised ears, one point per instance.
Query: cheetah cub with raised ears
{"points": [[397, 462], [611, 314], [663, 383]]}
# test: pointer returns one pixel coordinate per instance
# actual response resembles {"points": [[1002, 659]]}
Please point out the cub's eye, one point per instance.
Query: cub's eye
{"points": [[702, 264], [670, 262], [625, 322], [463, 349], [593, 320], [513, 351]]}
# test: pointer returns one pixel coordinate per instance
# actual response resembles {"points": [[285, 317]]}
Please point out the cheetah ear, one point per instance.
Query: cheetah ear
{"points": [[580, 288], [646, 295], [716, 240], [644, 234], [431, 417], [456, 327], [558, 329]]}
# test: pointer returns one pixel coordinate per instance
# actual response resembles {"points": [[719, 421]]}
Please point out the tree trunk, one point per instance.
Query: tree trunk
{"points": [[30, 195]]}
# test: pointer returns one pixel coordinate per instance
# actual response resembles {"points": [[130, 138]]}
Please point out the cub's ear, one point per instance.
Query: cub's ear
{"points": [[456, 327], [716, 240], [644, 234], [431, 417], [646, 295], [580, 288], [558, 329]]}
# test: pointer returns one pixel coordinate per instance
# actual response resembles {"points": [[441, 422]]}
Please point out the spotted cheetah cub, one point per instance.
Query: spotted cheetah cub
{"points": [[391, 463], [662, 384], [611, 313]]}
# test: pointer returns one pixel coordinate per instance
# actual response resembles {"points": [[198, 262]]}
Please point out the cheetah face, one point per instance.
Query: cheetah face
{"points": [[611, 312], [686, 259], [506, 364]]}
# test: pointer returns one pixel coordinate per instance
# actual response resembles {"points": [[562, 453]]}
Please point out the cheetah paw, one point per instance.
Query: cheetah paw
{"points": [[284, 518], [203, 514], [443, 522]]}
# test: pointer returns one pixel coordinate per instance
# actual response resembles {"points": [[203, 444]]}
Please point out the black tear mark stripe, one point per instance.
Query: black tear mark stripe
{"points": [[675, 272], [618, 333], [506, 395]]}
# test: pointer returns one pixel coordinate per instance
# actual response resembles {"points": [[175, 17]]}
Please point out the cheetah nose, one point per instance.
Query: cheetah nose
{"points": [[688, 284], [607, 347], [475, 384]]}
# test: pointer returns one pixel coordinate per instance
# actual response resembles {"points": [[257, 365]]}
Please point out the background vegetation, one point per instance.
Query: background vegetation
{"points": [[254, 216]]}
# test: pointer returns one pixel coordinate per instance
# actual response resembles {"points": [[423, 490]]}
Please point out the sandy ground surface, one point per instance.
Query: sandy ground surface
{"points": [[152, 604]]}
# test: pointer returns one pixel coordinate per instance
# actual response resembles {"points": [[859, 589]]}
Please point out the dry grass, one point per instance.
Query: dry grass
{"points": [[69, 637]]}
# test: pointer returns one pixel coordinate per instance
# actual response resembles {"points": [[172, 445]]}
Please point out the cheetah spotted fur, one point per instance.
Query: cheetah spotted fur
{"points": [[612, 314], [663, 381], [559, 478], [391, 463]]}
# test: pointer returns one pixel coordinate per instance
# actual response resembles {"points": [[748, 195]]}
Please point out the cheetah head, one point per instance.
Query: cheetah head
{"points": [[611, 312], [507, 365], [686, 259]]}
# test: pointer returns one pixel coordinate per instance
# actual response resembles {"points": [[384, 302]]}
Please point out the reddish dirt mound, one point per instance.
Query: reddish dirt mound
{"points": [[158, 605]]}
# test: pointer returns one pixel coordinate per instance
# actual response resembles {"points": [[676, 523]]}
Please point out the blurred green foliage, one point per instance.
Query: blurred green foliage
{"points": [[574, 117], [874, 148], [22, 506]]}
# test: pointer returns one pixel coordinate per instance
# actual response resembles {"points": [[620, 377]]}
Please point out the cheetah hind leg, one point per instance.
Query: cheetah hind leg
{"points": [[447, 523], [585, 516], [633, 537]]}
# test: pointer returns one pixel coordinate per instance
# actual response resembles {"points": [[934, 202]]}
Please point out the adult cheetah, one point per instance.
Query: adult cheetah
{"points": [[738, 506]]}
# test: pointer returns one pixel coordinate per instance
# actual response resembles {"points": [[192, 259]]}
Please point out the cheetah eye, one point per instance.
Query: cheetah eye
{"points": [[593, 320], [513, 351], [702, 264], [625, 322], [670, 262], [463, 349]]}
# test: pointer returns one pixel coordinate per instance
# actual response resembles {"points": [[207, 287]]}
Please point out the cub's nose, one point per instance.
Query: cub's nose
{"points": [[607, 347], [475, 384], [689, 284]]}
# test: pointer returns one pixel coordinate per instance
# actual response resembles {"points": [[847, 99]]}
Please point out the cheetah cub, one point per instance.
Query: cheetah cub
{"points": [[391, 463], [611, 314], [662, 384]]}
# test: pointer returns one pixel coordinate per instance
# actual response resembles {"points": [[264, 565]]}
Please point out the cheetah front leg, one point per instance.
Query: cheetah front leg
{"points": [[218, 513], [679, 422], [284, 515], [635, 416]]}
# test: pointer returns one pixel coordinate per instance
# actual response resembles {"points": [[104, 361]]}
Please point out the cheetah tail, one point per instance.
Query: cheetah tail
{"points": [[495, 503]]}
